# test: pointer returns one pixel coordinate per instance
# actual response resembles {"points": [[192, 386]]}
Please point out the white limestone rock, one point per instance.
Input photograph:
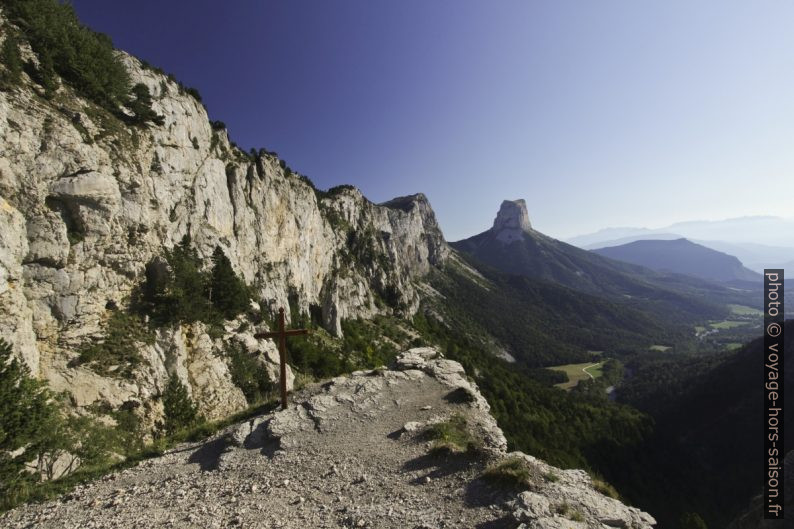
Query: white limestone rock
{"points": [[85, 208]]}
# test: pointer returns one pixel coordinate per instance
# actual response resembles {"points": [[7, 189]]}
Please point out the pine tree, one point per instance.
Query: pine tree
{"points": [[11, 59], [228, 292], [180, 412], [26, 412], [141, 106]]}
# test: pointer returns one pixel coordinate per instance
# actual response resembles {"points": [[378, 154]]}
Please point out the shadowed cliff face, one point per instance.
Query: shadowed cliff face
{"points": [[87, 201]]}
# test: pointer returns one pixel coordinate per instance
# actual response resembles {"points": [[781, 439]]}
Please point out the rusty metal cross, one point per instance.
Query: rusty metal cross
{"points": [[282, 334]]}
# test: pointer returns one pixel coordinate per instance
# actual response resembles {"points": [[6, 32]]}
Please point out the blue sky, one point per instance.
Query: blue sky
{"points": [[607, 113]]}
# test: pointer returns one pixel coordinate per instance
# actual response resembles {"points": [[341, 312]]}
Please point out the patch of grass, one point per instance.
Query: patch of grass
{"points": [[605, 488], [744, 310], [451, 437], [551, 477], [569, 512], [659, 348], [732, 346], [728, 324], [596, 370], [513, 472], [576, 373]]}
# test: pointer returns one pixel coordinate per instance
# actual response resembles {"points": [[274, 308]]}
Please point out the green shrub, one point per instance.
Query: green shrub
{"points": [[512, 472], [451, 436], [26, 412], [248, 374], [31, 417], [179, 410], [11, 59], [141, 107], [116, 354], [192, 92], [605, 488], [569, 512]]}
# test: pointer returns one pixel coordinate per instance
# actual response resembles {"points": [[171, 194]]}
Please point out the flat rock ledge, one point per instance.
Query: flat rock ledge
{"points": [[349, 452]]}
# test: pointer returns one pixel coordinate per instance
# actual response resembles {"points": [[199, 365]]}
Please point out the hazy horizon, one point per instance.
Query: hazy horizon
{"points": [[598, 114]]}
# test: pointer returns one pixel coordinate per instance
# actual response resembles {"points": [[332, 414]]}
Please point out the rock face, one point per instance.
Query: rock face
{"points": [[353, 452], [87, 201], [511, 221]]}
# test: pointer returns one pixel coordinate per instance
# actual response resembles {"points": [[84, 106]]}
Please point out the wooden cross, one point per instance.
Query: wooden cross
{"points": [[282, 334]]}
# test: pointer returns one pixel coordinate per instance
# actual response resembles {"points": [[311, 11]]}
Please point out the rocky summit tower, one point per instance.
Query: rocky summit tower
{"points": [[512, 221]]}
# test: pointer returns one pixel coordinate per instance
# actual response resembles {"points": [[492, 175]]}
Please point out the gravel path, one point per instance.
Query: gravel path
{"points": [[351, 452], [355, 467]]}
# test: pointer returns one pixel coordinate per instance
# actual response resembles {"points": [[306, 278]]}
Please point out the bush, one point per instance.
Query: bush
{"points": [[11, 59], [116, 354], [26, 412], [248, 375], [605, 488], [193, 93], [31, 417], [569, 512], [179, 410], [141, 107], [451, 436], [513, 472]]}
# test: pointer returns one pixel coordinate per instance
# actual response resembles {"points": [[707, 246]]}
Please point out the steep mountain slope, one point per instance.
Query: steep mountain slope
{"points": [[537, 322], [512, 246], [705, 454], [683, 257]]}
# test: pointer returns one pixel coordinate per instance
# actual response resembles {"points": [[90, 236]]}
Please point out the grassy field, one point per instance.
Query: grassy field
{"points": [[660, 348], [732, 346], [727, 324], [596, 370], [744, 310], [578, 372]]}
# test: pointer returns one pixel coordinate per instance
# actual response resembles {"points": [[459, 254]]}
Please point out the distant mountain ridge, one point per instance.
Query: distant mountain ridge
{"points": [[766, 230], [514, 247], [681, 256]]}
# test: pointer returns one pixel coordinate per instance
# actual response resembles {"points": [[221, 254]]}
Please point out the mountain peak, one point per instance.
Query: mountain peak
{"points": [[512, 220]]}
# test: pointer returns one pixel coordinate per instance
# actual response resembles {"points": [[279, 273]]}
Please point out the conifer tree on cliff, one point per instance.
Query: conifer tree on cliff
{"points": [[228, 292]]}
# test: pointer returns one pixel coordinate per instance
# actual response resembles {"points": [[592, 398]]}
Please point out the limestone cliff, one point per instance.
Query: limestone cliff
{"points": [[87, 201]]}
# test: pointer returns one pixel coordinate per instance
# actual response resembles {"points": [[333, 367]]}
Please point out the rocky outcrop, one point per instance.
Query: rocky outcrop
{"points": [[511, 221], [353, 452], [87, 201]]}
